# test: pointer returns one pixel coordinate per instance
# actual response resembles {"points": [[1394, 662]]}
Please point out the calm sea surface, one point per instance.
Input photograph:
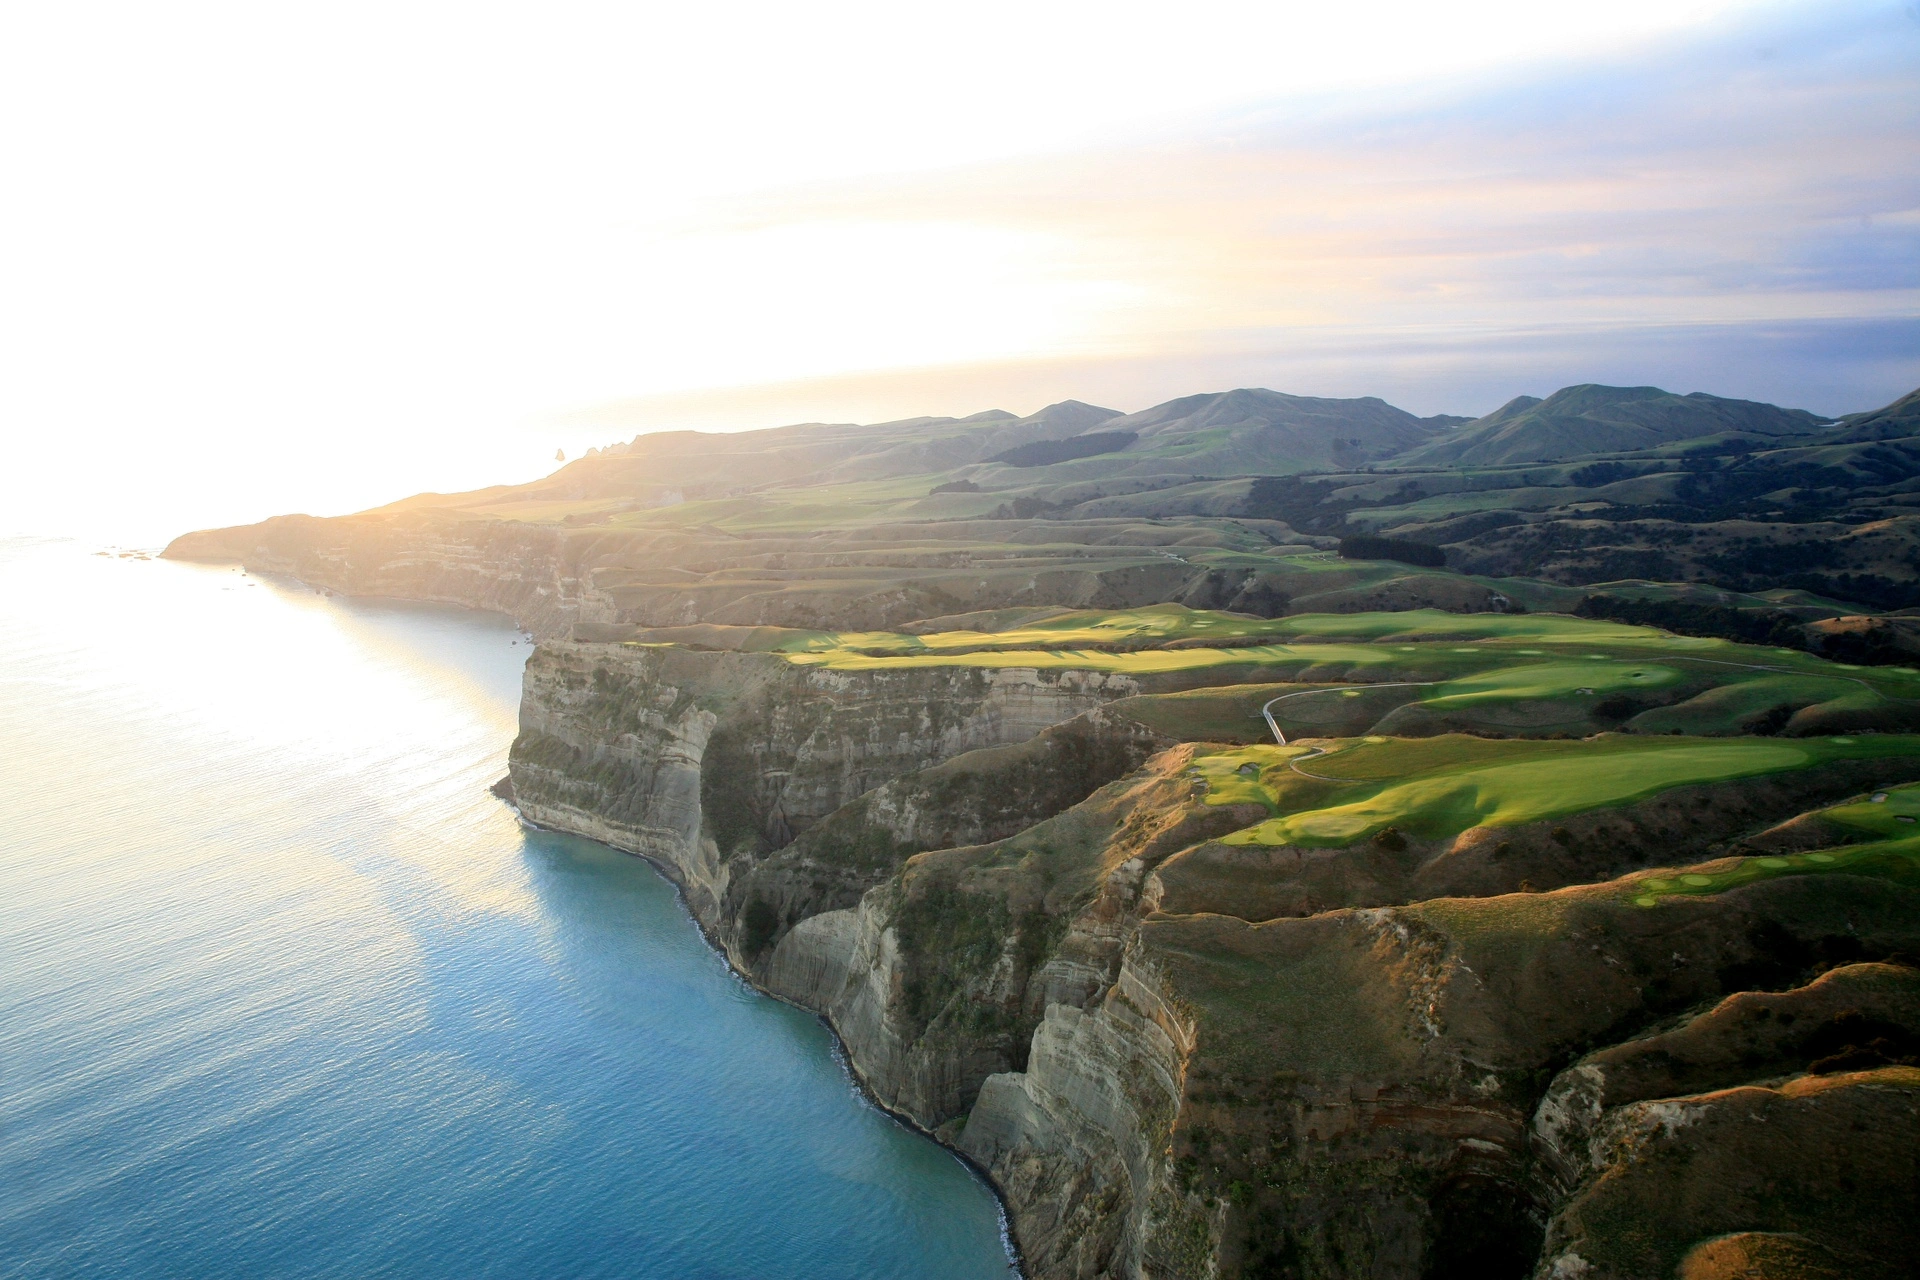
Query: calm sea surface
{"points": [[285, 992]]}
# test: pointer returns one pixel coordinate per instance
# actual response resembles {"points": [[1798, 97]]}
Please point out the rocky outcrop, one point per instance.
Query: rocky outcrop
{"points": [[1362, 1089], [1079, 1141], [973, 798], [995, 994], [940, 976], [1829, 1163]]}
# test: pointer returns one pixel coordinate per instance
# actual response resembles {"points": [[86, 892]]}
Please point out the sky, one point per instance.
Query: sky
{"points": [[257, 259]]}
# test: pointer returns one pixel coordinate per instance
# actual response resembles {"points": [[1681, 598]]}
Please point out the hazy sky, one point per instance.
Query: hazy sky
{"points": [[259, 258]]}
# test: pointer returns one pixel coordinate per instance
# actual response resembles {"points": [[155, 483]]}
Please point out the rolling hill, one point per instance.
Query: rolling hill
{"points": [[1576, 422], [1240, 909]]}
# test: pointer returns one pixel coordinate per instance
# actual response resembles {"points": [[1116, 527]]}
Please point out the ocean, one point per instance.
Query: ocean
{"points": [[285, 992]]}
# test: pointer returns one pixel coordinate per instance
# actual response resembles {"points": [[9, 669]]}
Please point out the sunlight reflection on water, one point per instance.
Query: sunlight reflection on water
{"points": [[288, 993]]}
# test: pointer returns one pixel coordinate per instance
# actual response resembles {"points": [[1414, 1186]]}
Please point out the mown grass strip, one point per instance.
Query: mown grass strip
{"points": [[1897, 858], [1434, 788], [1434, 643]]}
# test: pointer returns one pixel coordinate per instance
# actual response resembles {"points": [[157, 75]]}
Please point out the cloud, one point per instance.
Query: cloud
{"points": [[1685, 215], [266, 260]]}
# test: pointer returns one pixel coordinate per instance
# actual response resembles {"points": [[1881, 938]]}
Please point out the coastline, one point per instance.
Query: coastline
{"points": [[502, 790], [1017, 1263], [284, 919]]}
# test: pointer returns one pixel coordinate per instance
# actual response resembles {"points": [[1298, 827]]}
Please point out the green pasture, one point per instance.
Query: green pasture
{"points": [[1220, 713], [807, 508], [1439, 787], [1447, 505]]}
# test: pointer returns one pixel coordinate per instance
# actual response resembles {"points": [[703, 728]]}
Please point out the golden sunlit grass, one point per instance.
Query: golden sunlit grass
{"points": [[1440, 787]]}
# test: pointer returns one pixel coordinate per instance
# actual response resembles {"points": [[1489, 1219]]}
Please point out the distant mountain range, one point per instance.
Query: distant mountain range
{"points": [[1634, 489], [1576, 421], [1246, 432]]}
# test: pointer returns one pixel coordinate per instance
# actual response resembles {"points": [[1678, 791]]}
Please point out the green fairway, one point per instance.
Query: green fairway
{"points": [[1889, 822], [1244, 776], [1166, 624], [1153, 625], [1540, 675], [1495, 639], [1897, 858], [1730, 706], [1543, 681], [1896, 816], [1296, 658], [1438, 787]]}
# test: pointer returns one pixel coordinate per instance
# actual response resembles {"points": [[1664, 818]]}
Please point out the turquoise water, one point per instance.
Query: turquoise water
{"points": [[285, 992]]}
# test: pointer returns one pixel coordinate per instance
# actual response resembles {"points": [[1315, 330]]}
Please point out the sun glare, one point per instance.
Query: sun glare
{"points": [[310, 257]]}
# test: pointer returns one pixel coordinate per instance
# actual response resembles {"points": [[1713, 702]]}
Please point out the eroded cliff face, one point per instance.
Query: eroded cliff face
{"points": [[1081, 1140], [982, 990], [1165, 1089], [538, 575], [554, 577], [996, 995], [709, 761], [996, 888]]}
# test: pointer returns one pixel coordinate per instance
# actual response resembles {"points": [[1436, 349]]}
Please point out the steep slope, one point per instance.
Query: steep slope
{"points": [[1624, 1134]]}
